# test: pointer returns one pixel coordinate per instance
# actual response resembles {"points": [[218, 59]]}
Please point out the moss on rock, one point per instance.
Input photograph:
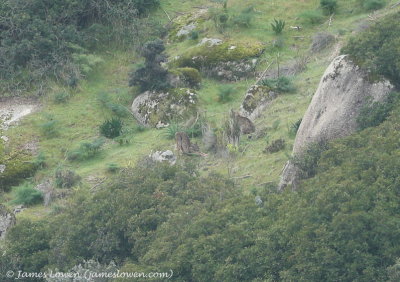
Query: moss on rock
{"points": [[182, 26], [189, 77], [204, 55], [256, 99], [15, 167], [156, 108]]}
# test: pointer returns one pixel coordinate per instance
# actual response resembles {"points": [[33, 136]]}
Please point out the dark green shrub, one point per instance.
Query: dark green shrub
{"points": [[371, 5], [194, 35], [376, 49], [66, 178], [244, 18], [294, 127], [111, 128], [225, 93], [328, 6], [170, 131], [374, 113], [282, 84], [86, 150], [312, 17], [113, 168], [278, 26], [152, 76], [276, 146], [308, 161], [61, 97], [50, 127], [26, 195]]}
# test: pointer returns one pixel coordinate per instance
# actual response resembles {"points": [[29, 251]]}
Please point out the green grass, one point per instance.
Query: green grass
{"points": [[79, 118]]}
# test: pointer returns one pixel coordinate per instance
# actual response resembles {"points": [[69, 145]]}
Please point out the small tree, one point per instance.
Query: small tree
{"points": [[151, 76], [328, 6]]}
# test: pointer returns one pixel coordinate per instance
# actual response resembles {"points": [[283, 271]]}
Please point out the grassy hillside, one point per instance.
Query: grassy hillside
{"points": [[59, 128]]}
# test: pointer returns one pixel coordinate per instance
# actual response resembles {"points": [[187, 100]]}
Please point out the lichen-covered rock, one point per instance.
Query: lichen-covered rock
{"points": [[184, 77], [343, 90], [182, 26], [7, 220], [167, 156], [222, 60], [151, 108], [257, 98]]}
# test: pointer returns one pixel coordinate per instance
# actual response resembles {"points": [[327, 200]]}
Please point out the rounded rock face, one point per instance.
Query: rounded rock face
{"points": [[154, 108], [7, 220], [342, 92]]}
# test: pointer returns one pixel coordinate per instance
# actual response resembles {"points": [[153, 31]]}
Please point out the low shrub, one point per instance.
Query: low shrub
{"points": [[244, 18], [194, 35], [321, 40], [113, 168], [294, 127], [312, 17], [374, 113], [308, 161], [86, 150], [61, 97], [282, 84], [225, 93], [371, 5], [329, 6], [276, 146], [26, 195], [278, 26], [376, 49], [111, 128], [65, 178], [49, 128]]}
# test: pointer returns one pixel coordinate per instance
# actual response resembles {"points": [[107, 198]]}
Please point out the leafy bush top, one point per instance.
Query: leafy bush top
{"points": [[377, 49]]}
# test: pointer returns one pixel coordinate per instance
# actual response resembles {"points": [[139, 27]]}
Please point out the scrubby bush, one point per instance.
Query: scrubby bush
{"points": [[66, 178], [113, 168], [312, 17], [371, 5], [86, 150], [278, 26], [276, 146], [307, 162], [376, 49], [282, 84], [151, 76], [61, 97], [50, 128], [26, 195], [244, 18], [194, 35], [374, 113], [111, 128], [225, 93], [294, 127], [321, 40], [328, 6], [43, 38]]}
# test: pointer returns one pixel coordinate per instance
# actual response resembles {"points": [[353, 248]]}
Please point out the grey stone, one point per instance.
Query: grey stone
{"points": [[342, 92], [166, 156], [7, 220]]}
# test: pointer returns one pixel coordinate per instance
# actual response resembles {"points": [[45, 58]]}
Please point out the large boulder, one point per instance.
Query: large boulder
{"points": [[153, 108], [223, 60], [342, 92], [256, 100], [7, 220]]}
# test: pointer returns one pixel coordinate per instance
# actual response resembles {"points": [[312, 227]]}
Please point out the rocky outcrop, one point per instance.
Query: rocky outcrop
{"points": [[7, 220], [166, 156], [256, 100], [154, 108], [343, 90], [222, 60]]}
